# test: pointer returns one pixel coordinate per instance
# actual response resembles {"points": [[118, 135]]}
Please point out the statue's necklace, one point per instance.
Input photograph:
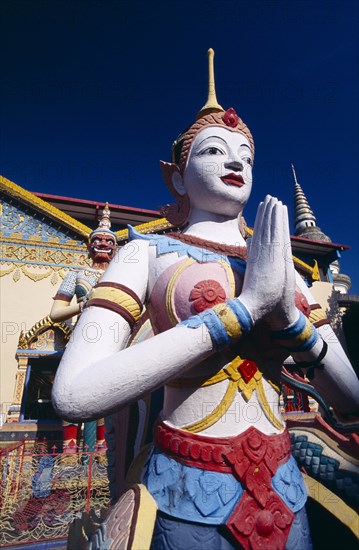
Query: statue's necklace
{"points": [[221, 248]]}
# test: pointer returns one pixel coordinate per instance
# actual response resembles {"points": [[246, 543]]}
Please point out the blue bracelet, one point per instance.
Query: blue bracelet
{"points": [[242, 314], [225, 322], [299, 336]]}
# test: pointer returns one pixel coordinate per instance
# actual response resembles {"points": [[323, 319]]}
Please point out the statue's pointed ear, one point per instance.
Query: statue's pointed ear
{"points": [[177, 214], [178, 183], [169, 169]]}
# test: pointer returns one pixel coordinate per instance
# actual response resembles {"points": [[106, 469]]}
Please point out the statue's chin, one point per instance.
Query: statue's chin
{"points": [[228, 201], [103, 257], [230, 210]]}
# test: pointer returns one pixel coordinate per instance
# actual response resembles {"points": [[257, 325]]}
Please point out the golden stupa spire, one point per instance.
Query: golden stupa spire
{"points": [[212, 105]]}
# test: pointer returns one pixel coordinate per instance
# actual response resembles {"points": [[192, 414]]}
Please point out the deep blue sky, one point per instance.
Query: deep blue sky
{"points": [[94, 92]]}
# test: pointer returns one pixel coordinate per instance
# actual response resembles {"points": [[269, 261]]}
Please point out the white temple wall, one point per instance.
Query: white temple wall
{"points": [[324, 293], [23, 303]]}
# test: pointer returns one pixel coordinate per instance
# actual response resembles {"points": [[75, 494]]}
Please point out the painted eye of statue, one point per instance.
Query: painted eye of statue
{"points": [[212, 151], [248, 160]]}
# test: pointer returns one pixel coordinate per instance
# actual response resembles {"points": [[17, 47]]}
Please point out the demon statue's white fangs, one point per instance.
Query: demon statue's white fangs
{"points": [[219, 472]]}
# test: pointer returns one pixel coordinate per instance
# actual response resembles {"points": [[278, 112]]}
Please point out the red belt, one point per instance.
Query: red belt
{"points": [[261, 519]]}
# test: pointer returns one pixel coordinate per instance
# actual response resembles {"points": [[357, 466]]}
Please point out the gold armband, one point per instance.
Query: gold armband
{"points": [[317, 316], [229, 320], [117, 298]]}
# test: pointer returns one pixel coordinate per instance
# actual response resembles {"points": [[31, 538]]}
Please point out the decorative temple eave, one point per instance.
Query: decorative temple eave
{"points": [[68, 212], [325, 253], [311, 246], [150, 227], [38, 204], [89, 211], [303, 267]]}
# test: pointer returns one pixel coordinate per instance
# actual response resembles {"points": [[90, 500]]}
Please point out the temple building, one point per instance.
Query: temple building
{"points": [[42, 238], [306, 226], [310, 244]]}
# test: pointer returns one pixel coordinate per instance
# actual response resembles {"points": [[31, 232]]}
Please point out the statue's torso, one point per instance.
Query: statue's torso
{"points": [[185, 282]]}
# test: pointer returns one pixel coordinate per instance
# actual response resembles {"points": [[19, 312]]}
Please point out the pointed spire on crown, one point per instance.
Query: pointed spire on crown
{"points": [[105, 222], [104, 225], [304, 220], [212, 105]]}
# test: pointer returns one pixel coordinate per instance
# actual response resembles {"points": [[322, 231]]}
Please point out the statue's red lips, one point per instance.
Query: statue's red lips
{"points": [[233, 179]]}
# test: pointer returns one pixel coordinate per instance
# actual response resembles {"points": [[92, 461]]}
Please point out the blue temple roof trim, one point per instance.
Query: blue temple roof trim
{"points": [[25, 221]]}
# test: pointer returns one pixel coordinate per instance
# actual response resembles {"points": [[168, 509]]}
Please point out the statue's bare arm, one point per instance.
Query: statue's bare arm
{"points": [[62, 310], [64, 306]]}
